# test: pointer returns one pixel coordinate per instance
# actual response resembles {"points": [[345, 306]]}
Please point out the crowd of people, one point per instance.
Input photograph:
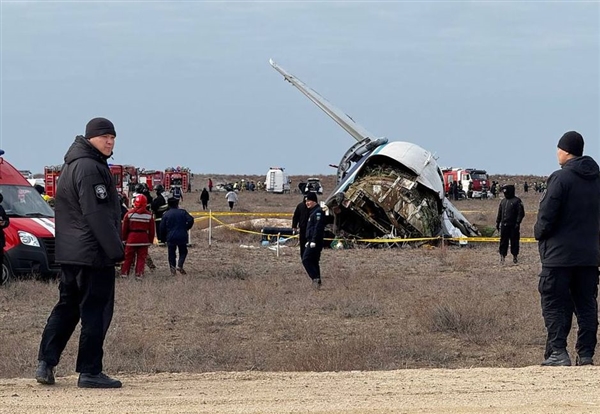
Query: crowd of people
{"points": [[88, 209]]}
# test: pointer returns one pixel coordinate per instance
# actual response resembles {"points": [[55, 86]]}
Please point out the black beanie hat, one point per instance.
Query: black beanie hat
{"points": [[571, 142], [99, 126], [312, 196]]}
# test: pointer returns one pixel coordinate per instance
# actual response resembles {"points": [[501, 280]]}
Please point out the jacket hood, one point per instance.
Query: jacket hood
{"points": [[81, 148], [508, 191], [585, 167]]}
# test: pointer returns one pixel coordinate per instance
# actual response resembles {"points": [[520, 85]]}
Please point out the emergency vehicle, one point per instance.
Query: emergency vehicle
{"points": [[123, 175], [176, 177], [465, 177], [30, 245], [51, 174], [277, 181], [151, 177]]}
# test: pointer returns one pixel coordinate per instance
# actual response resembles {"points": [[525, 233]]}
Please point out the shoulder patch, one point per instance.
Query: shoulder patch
{"points": [[100, 191], [318, 216]]}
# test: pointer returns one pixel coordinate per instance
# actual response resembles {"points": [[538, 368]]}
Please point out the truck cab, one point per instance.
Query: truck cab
{"points": [[30, 244]]}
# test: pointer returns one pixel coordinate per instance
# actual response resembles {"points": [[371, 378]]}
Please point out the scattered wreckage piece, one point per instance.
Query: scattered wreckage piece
{"points": [[386, 189]]}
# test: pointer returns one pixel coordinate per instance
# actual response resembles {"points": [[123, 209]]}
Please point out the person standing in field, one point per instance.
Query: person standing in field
{"points": [[508, 222], [568, 234], [204, 197], [210, 185], [138, 234], [88, 246], [299, 222], [231, 198], [174, 226], [315, 229]]}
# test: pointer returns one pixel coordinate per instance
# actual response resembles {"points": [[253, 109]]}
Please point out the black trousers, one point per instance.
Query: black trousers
{"points": [[86, 294], [172, 254], [310, 261], [510, 234], [159, 236], [302, 241], [564, 291]]}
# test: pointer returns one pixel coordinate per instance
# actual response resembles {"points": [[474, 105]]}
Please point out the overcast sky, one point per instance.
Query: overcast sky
{"points": [[491, 85]]}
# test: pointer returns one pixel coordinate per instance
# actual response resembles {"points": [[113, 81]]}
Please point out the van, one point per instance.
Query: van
{"points": [[277, 181], [30, 244]]}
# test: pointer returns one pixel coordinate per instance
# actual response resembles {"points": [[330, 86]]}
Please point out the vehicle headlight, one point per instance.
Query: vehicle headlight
{"points": [[28, 239]]}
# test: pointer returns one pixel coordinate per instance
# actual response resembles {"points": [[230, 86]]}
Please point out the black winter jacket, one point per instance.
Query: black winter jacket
{"points": [[511, 210], [315, 228], [174, 225], [87, 210], [568, 221]]}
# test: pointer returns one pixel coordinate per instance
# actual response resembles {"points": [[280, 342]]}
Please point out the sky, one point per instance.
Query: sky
{"points": [[485, 84]]}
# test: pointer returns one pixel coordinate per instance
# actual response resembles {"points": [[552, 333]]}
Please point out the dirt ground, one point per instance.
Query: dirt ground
{"points": [[478, 390]]}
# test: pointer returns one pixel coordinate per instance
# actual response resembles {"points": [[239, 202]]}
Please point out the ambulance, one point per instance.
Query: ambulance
{"points": [[30, 244]]}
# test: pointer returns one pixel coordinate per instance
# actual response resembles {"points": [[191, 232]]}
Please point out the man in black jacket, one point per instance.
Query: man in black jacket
{"points": [[508, 222], [315, 229], [568, 234], [88, 246], [299, 221]]}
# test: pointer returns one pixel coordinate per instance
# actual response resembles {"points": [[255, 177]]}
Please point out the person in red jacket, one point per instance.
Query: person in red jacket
{"points": [[138, 234]]}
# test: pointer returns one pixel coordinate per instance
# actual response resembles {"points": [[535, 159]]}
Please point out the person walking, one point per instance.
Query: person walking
{"points": [[231, 198], [315, 228], [88, 246], [159, 206], [204, 197], [174, 226], [4, 222], [568, 234], [210, 185], [138, 234], [508, 222], [299, 222]]}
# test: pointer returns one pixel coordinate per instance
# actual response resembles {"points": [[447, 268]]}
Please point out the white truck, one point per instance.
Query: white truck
{"points": [[277, 181]]}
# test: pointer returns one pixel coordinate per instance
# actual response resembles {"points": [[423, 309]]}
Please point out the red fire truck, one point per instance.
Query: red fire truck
{"points": [[177, 177], [123, 175], [51, 174], [472, 181], [151, 177]]}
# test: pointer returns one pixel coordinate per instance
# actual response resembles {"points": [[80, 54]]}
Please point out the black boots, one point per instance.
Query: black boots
{"points": [[558, 359], [44, 374], [97, 381]]}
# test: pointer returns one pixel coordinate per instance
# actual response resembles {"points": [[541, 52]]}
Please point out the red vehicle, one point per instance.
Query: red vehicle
{"points": [[30, 245], [474, 182], [123, 175], [51, 174], [177, 177], [151, 177]]}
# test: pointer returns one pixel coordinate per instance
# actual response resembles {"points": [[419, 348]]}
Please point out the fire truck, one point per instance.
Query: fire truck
{"points": [[177, 177], [151, 177], [473, 182], [51, 174], [123, 175]]}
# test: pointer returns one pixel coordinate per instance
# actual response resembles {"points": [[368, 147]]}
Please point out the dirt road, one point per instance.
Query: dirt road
{"points": [[480, 390]]}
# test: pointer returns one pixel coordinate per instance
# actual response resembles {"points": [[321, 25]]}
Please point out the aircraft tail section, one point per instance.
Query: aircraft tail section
{"points": [[345, 121]]}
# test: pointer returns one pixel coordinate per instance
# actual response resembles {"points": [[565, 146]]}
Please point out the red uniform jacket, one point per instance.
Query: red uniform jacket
{"points": [[138, 227]]}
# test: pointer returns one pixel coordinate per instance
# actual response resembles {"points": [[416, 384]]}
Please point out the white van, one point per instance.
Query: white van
{"points": [[277, 181]]}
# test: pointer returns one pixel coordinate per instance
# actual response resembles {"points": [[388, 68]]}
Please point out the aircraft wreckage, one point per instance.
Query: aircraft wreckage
{"points": [[386, 189]]}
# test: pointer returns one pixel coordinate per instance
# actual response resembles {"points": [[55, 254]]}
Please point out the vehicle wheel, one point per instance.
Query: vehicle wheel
{"points": [[7, 273]]}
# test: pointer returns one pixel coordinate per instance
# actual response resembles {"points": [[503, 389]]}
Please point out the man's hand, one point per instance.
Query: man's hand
{"points": [[498, 226], [312, 245]]}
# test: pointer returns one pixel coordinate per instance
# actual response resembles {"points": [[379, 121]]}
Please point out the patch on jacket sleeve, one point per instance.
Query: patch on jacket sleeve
{"points": [[101, 193], [318, 216]]}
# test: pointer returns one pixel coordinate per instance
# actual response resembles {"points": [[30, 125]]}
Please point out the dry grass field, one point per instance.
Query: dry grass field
{"points": [[249, 309]]}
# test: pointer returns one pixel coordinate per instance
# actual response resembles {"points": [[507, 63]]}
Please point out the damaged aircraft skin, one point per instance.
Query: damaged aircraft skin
{"points": [[386, 189]]}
